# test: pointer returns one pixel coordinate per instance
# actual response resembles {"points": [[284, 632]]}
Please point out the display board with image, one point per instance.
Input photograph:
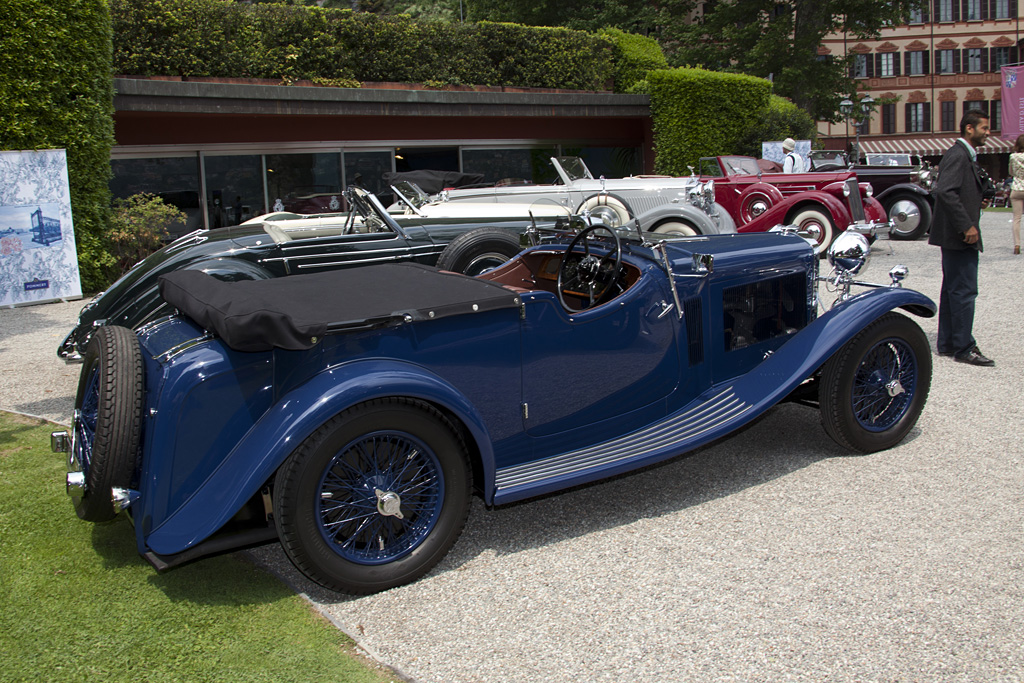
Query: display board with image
{"points": [[38, 257]]}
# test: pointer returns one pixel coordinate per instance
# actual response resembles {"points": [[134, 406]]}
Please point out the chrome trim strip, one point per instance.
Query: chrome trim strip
{"points": [[425, 249], [397, 257], [676, 430], [318, 242], [146, 327], [183, 347]]}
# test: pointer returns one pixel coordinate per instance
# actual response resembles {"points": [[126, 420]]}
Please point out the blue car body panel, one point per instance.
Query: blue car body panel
{"points": [[546, 398]]}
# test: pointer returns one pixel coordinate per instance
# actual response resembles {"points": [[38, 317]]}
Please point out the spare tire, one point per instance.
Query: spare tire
{"points": [[108, 420], [478, 251], [606, 209]]}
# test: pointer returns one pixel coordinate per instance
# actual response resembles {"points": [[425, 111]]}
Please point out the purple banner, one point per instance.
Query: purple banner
{"points": [[1013, 102]]}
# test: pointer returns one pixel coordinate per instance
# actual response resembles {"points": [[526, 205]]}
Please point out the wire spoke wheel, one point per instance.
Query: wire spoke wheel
{"points": [[884, 387], [379, 497], [375, 497], [873, 389]]}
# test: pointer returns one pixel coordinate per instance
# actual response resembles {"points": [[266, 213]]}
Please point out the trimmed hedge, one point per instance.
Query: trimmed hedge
{"points": [[195, 38], [634, 57], [698, 113], [56, 92]]}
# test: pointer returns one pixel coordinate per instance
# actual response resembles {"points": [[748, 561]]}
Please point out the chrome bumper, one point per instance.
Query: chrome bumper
{"points": [[872, 229], [68, 350]]}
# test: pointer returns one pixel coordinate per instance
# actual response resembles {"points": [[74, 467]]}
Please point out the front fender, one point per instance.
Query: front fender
{"points": [[256, 457], [800, 357], [783, 212], [705, 223], [903, 188]]}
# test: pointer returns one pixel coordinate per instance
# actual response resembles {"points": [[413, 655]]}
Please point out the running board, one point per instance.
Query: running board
{"points": [[215, 545], [703, 420]]}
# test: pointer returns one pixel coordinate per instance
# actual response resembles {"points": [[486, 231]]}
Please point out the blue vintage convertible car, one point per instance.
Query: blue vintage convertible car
{"points": [[352, 414]]}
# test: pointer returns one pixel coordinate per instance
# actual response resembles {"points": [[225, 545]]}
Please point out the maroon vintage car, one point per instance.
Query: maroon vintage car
{"points": [[821, 204]]}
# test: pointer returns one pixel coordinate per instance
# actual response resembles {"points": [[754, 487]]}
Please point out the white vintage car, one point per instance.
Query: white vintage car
{"points": [[662, 204]]}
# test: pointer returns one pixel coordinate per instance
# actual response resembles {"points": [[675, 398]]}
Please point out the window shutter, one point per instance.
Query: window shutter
{"points": [[956, 10], [870, 65], [924, 12], [896, 64], [925, 62], [985, 52], [928, 117], [956, 61]]}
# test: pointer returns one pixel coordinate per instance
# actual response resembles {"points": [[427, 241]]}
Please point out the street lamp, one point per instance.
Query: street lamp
{"points": [[846, 109]]}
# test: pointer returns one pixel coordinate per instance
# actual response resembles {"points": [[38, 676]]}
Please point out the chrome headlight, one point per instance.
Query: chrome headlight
{"points": [[849, 252], [709, 191]]}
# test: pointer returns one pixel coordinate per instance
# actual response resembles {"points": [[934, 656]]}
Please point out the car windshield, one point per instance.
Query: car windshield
{"points": [[740, 165], [410, 194], [820, 157], [888, 160], [574, 168]]}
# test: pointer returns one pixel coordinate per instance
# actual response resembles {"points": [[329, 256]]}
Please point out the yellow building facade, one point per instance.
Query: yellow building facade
{"points": [[925, 74]]}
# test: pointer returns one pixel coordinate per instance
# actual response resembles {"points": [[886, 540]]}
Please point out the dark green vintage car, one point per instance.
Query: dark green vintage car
{"points": [[467, 238]]}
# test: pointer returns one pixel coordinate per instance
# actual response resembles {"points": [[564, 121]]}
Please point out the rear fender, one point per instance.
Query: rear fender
{"points": [[256, 457]]}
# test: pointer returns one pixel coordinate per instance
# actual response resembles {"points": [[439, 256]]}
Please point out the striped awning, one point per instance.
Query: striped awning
{"points": [[936, 146]]}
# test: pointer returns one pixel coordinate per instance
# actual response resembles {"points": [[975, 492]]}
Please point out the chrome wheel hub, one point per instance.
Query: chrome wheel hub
{"points": [[757, 208], [894, 388], [389, 503]]}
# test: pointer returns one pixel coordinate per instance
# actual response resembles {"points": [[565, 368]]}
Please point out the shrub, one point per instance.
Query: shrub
{"points": [[697, 113], [138, 227], [290, 42], [56, 93], [634, 57]]}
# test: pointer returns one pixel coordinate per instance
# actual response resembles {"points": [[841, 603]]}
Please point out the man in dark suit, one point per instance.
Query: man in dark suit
{"points": [[958, 194]]}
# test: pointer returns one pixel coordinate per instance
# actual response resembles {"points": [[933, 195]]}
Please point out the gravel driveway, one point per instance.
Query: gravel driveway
{"points": [[770, 556]]}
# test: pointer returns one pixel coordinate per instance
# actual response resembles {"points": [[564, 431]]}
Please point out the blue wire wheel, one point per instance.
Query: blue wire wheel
{"points": [[85, 423], [885, 384], [380, 496], [873, 389]]}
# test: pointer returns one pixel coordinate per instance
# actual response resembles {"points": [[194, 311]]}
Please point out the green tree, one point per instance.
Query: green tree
{"points": [[780, 40]]}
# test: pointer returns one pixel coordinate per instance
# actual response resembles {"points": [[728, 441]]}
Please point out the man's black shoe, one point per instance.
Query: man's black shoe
{"points": [[974, 357]]}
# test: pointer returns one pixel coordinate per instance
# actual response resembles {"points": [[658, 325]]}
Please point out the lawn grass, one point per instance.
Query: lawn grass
{"points": [[79, 604]]}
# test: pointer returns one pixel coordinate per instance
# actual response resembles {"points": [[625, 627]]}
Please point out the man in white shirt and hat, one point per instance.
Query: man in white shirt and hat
{"points": [[794, 163]]}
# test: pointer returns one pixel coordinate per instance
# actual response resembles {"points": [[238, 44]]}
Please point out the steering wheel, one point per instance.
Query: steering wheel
{"points": [[586, 274]]}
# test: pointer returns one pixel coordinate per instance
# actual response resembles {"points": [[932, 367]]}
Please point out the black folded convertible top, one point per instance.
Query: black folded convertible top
{"points": [[295, 312]]}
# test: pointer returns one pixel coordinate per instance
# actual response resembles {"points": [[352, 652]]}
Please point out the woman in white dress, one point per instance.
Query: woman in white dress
{"points": [[1017, 189]]}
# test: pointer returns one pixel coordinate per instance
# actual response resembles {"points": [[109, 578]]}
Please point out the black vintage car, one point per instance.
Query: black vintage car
{"points": [[469, 240], [902, 187]]}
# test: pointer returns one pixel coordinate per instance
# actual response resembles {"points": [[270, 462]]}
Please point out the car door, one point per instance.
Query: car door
{"points": [[589, 373]]}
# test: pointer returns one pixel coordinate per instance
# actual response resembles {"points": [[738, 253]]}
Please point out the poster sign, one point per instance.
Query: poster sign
{"points": [[1012, 105], [38, 258]]}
